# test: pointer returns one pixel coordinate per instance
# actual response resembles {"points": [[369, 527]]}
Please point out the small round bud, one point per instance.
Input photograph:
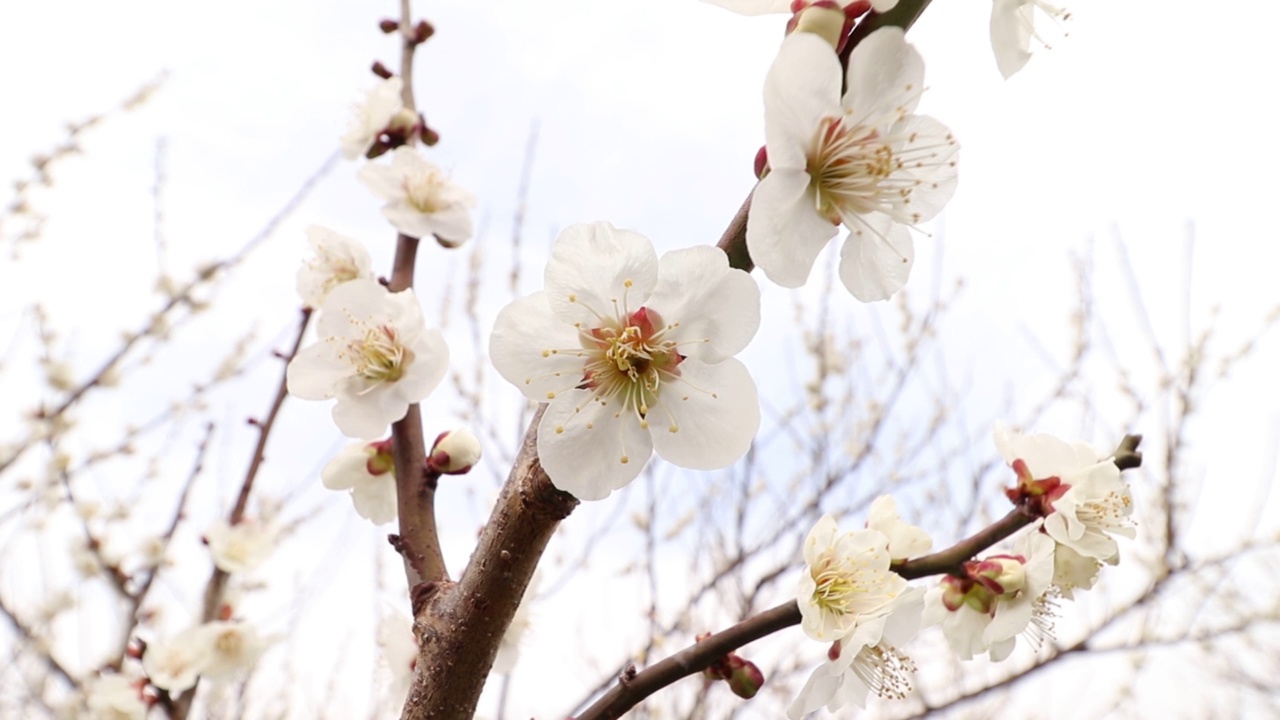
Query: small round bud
{"points": [[388, 26], [762, 162], [422, 31], [455, 452], [381, 70], [746, 679]]}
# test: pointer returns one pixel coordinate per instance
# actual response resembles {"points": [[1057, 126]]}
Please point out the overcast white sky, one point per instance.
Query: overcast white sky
{"points": [[1149, 115]]}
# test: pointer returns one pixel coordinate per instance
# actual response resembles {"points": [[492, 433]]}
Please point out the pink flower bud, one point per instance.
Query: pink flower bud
{"points": [[454, 452], [746, 679], [388, 25]]}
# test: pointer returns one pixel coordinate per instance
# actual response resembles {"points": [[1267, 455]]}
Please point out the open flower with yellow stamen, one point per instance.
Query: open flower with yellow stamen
{"points": [[374, 354], [846, 580], [633, 355], [421, 199], [862, 160]]}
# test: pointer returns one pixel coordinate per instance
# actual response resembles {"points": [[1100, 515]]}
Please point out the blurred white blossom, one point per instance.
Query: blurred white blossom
{"points": [[371, 117], [337, 259], [241, 547], [1013, 25], [421, 200]]}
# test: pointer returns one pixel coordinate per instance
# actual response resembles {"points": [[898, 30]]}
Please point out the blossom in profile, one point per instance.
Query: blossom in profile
{"points": [[421, 199], [368, 472], [374, 354], [241, 547], [1077, 490], [863, 160], [337, 259], [996, 599], [372, 117], [1013, 26], [632, 354]]}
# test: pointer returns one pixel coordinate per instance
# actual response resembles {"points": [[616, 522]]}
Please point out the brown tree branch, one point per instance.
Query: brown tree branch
{"points": [[460, 625]]}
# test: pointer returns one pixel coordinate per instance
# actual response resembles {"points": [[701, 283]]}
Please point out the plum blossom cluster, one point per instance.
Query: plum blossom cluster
{"points": [[851, 596]]}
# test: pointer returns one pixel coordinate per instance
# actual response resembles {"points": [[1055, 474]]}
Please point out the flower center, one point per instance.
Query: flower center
{"points": [[424, 189], [845, 584], [380, 356], [628, 359], [849, 166], [229, 642]]}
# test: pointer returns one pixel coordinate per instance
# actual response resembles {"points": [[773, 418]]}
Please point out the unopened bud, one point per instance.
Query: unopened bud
{"points": [[1001, 574], [455, 452], [823, 20], [381, 70], [429, 137], [388, 25], [422, 31], [746, 679], [762, 162]]}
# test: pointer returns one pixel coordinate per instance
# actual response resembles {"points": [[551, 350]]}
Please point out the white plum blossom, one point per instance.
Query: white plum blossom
{"points": [[368, 472], [241, 547], [867, 660], [421, 200], [769, 7], [863, 160], [174, 664], [1002, 597], [905, 540], [846, 581], [370, 118], [233, 646], [115, 697], [633, 355], [1013, 25], [1078, 489], [338, 259], [374, 354]]}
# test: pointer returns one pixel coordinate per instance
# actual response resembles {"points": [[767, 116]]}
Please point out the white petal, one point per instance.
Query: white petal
{"points": [[876, 258], [1011, 35], [385, 181], [429, 365], [375, 499], [534, 350], [313, 374], [930, 157], [598, 270], [708, 419], [817, 691], [802, 86], [717, 308], [581, 445], [886, 76], [785, 233], [349, 468], [367, 417]]}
